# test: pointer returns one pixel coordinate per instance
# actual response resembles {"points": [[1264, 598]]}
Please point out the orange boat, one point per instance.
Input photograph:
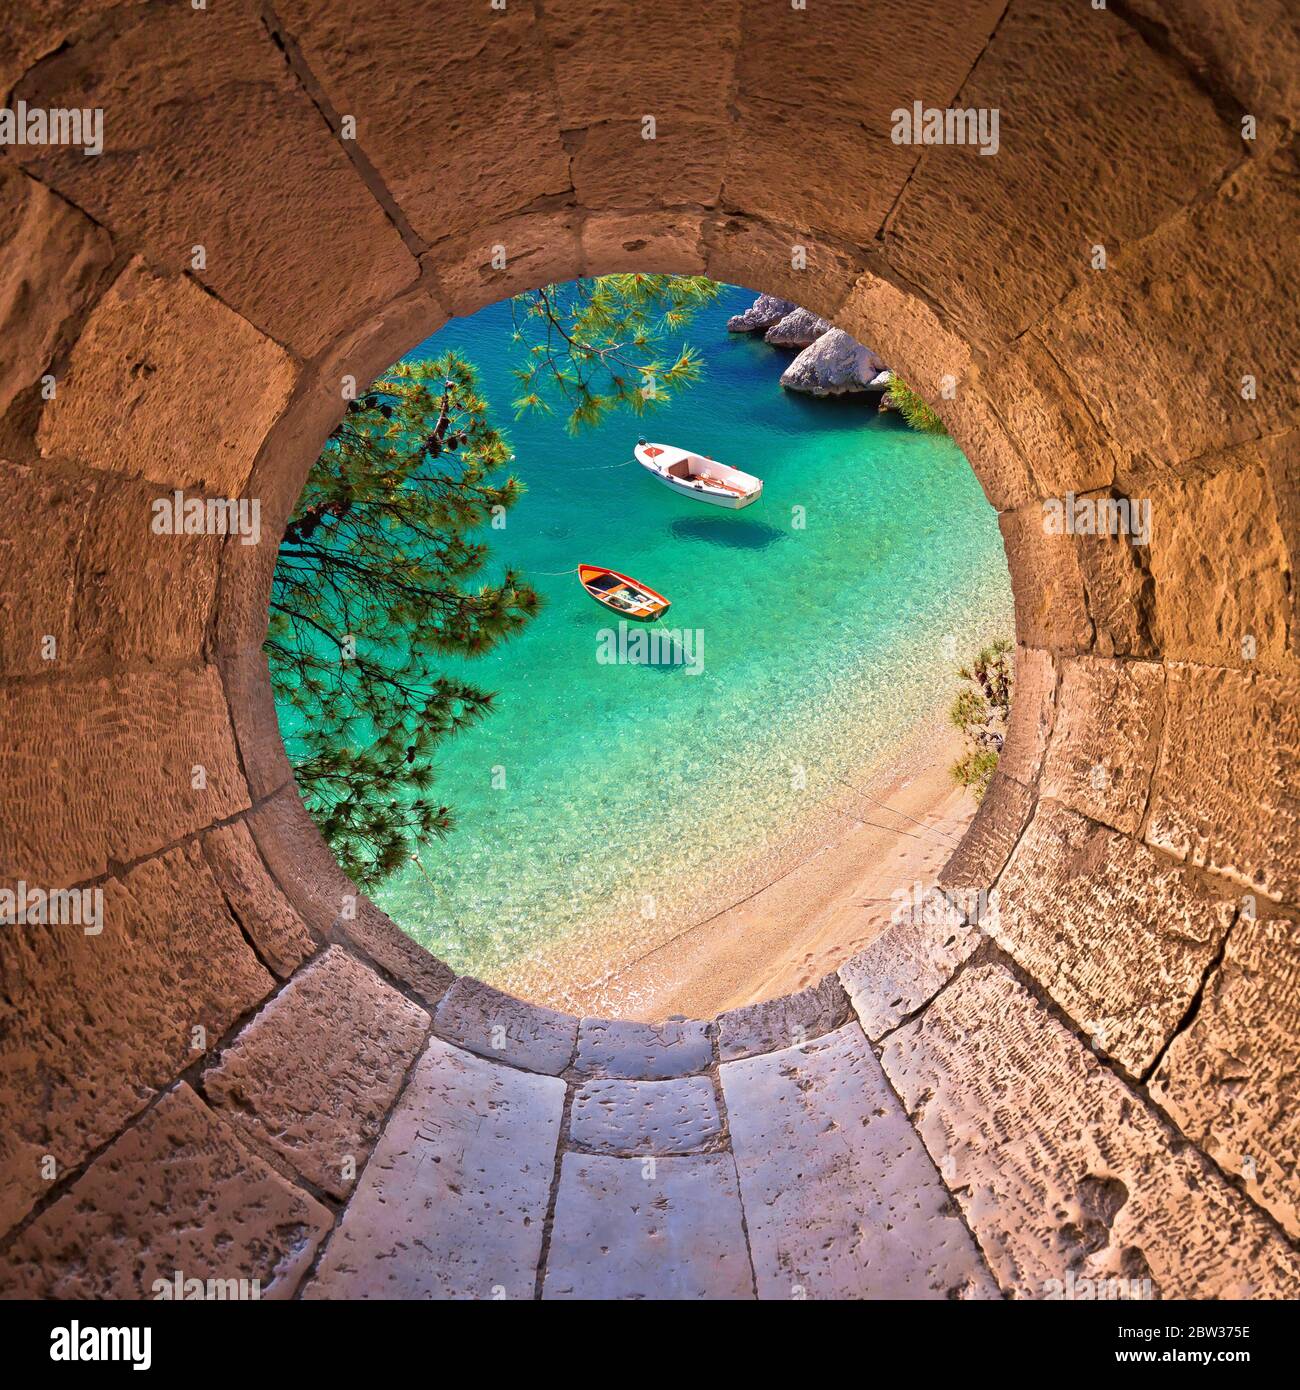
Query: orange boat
{"points": [[629, 598]]}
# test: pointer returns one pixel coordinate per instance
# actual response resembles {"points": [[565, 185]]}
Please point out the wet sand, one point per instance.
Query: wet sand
{"points": [[886, 834]]}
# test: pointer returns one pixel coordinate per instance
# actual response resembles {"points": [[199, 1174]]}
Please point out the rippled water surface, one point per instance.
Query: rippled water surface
{"points": [[637, 797]]}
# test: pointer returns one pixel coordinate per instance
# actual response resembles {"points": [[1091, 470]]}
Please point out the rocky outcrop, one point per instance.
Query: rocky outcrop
{"points": [[765, 312], [800, 329], [833, 366]]}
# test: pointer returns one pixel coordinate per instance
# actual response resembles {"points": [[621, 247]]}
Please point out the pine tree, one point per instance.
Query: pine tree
{"points": [[380, 570]]}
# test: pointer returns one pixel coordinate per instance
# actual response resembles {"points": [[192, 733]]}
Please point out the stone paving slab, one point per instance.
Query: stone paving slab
{"points": [[908, 964], [783, 1022], [1119, 936], [643, 1051], [177, 1191], [453, 1201], [314, 1074], [1230, 1080], [840, 1197], [655, 1228], [497, 1025], [1061, 1169], [645, 1117]]}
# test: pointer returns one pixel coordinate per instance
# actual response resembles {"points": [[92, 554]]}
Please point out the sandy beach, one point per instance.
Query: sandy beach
{"points": [[886, 833]]}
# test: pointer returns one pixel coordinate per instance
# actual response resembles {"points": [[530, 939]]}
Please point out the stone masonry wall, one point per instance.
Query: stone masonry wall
{"points": [[1077, 1063]]}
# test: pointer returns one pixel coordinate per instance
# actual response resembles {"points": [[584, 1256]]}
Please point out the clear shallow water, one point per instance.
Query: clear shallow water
{"points": [[638, 798]]}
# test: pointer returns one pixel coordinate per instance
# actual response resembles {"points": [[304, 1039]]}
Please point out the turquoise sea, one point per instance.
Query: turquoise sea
{"points": [[605, 806]]}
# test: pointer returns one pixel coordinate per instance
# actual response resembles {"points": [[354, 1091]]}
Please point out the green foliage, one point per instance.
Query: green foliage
{"points": [[380, 573], [602, 345], [913, 408], [981, 710]]}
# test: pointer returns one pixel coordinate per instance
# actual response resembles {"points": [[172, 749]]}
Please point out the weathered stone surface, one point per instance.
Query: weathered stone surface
{"points": [[799, 328], [454, 1198], [992, 835], [176, 1192], [1225, 793], [667, 1228], [282, 938], [58, 504], [494, 1024], [314, 1074], [614, 164], [1107, 739], [840, 1198], [1051, 610], [834, 365], [837, 58], [210, 140], [123, 566], [643, 1051], [390, 948], [1051, 70], [471, 91], [663, 243], [748, 251], [1229, 1080], [1060, 1169], [94, 1025], [1117, 935], [147, 341], [300, 861], [31, 33], [1221, 570], [53, 257], [645, 1117], [778, 1023], [846, 192], [113, 776], [500, 259], [1183, 292], [763, 314], [1118, 584], [1033, 711], [614, 59], [907, 965]]}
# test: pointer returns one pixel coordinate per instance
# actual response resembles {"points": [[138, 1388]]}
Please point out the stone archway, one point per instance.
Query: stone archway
{"points": [[249, 1045]]}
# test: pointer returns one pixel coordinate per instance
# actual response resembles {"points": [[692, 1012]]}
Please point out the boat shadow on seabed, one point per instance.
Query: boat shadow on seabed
{"points": [[733, 532]]}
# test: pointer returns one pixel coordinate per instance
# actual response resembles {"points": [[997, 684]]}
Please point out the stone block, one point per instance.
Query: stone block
{"points": [[282, 938], [314, 1074], [147, 342], [643, 1051], [1063, 1173], [453, 1201], [96, 1024], [1118, 936], [1229, 1078], [1107, 739], [1227, 791], [645, 1117], [177, 1192], [776, 1023], [667, 1228], [493, 1024], [841, 1200]]}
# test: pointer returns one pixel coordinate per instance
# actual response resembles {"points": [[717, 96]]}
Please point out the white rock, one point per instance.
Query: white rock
{"points": [[833, 365], [800, 329], [766, 310]]}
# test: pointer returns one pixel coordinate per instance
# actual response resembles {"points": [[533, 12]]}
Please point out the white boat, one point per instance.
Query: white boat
{"points": [[693, 475]]}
